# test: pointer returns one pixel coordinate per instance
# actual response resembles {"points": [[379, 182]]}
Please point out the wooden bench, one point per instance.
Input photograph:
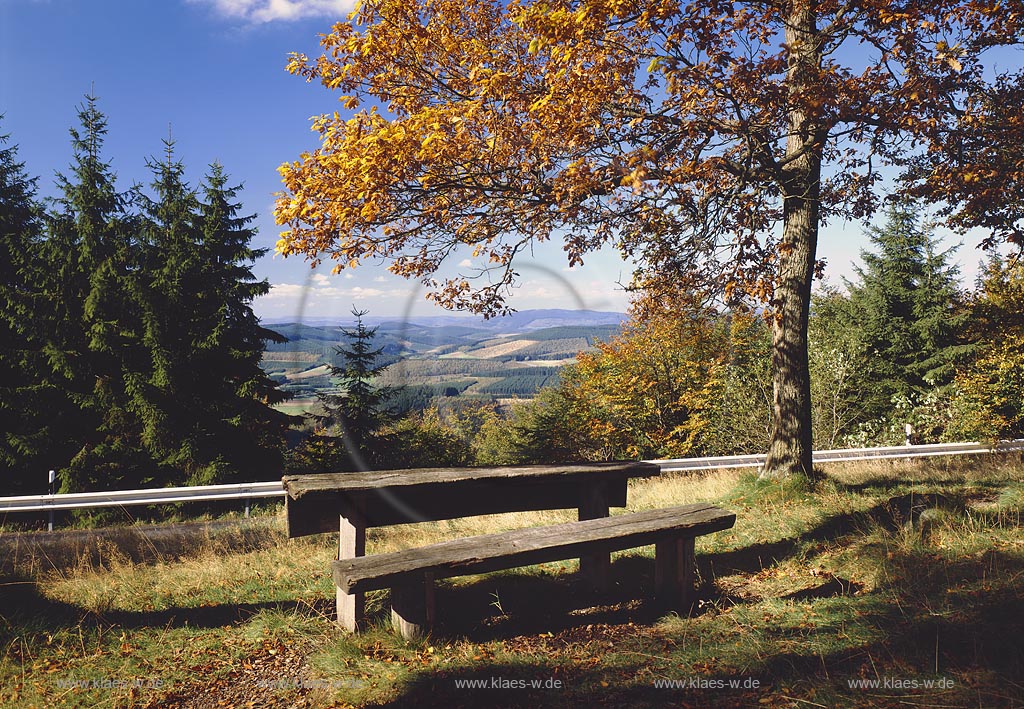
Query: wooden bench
{"points": [[410, 573], [349, 503]]}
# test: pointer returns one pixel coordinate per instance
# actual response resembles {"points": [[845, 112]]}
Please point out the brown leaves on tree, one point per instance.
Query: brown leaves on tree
{"points": [[674, 130], [707, 140]]}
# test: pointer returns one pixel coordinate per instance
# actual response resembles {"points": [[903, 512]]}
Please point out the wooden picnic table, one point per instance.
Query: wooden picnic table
{"points": [[349, 503]]}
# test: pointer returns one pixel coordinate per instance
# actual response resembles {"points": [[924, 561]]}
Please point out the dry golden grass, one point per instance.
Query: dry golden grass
{"points": [[320, 371], [814, 585], [290, 357]]}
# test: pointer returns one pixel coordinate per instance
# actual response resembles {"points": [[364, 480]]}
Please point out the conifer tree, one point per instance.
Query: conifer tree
{"points": [[22, 432], [206, 404], [93, 329], [905, 307], [165, 398], [242, 435], [360, 410]]}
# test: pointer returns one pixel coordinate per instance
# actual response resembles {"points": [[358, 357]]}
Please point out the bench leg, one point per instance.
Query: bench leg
{"points": [[352, 606], [596, 567], [412, 608], [674, 573]]}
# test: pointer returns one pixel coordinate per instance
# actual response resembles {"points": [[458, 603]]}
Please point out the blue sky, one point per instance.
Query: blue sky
{"points": [[213, 70]]}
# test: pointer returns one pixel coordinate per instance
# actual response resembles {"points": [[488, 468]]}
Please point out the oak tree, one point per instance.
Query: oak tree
{"points": [[708, 141]]}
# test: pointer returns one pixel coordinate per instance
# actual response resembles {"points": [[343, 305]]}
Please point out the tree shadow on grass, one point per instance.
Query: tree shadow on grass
{"points": [[756, 557], [883, 482], [972, 643], [891, 515], [24, 608]]}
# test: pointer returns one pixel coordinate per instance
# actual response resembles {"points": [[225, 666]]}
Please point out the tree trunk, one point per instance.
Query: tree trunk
{"points": [[789, 452]]}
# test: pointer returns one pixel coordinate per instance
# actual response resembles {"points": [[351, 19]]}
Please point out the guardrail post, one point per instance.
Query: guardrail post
{"points": [[247, 501], [52, 477]]}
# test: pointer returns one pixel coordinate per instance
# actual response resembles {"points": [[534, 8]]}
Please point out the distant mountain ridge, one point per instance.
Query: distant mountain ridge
{"points": [[521, 321]]}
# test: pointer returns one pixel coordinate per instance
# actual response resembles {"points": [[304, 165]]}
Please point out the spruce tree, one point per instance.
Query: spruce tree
{"points": [[906, 310], [93, 333], [242, 435], [165, 397], [22, 428], [360, 409]]}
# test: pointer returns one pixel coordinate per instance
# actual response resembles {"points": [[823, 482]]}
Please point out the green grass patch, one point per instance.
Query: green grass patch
{"points": [[880, 585]]}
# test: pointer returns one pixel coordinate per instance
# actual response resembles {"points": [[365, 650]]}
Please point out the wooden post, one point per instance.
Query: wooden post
{"points": [[674, 573], [596, 567], [352, 543], [412, 608]]}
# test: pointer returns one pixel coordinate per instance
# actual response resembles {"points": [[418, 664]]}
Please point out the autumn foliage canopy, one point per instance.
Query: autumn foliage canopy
{"points": [[707, 140], [660, 126]]}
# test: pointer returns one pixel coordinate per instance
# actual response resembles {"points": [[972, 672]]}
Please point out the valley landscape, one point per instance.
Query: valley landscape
{"points": [[441, 357]]}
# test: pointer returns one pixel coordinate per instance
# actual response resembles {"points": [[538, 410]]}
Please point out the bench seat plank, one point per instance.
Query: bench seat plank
{"points": [[523, 547]]}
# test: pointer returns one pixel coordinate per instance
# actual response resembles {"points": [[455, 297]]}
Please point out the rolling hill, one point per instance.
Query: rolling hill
{"points": [[443, 356]]}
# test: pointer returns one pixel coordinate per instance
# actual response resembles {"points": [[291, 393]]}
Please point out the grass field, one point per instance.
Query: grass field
{"points": [[843, 594]]}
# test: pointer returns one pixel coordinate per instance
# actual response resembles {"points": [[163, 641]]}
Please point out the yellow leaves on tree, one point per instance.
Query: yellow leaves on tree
{"points": [[676, 130], [987, 403], [706, 140], [659, 389]]}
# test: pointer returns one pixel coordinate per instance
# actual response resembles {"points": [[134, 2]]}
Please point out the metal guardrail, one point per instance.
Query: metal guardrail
{"points": [[124, 498], [249, 491], [843, 455]]}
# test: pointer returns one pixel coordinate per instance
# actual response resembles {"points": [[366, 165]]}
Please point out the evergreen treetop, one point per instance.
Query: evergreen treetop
{"points": [[906, 309]]}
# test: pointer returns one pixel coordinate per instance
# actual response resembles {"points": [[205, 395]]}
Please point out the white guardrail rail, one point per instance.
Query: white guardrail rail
{"points": [[840, 455], [250, 491], [152, 496]]}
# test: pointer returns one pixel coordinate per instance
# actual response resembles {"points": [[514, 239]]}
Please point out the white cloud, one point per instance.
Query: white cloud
{"points": [[262, 11], [285, 291], [380, 279], [320, 279], [465, 263], [290, 298]]}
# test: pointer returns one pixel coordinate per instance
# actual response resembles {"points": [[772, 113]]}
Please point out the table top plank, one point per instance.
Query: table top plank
{"points": [[316, 484]]}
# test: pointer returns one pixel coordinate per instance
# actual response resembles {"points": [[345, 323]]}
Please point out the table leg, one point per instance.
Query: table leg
{"points": [[352, 543], [596, 567]]}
